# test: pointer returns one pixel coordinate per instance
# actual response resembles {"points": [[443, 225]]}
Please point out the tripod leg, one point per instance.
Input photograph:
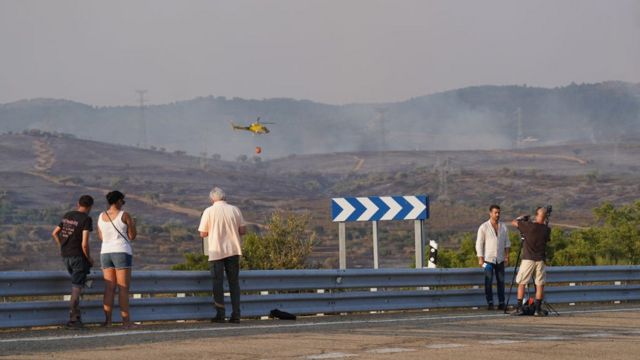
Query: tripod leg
{"points": [[513, 278], [550, 308]]}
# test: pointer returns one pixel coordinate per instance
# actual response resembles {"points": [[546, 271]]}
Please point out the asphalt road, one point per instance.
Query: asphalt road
{"points": [[578, 333]]}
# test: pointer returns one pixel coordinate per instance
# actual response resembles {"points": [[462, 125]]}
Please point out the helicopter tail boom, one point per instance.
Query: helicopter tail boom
{"points": [[238, 127]]}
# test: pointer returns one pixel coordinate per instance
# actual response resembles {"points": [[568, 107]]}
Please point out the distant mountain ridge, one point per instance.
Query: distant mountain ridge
{"points": [[479, 117]]}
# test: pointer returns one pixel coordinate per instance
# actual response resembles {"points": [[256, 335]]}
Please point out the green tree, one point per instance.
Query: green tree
{"points": [[193, 262], [286, 244], [465, 256], [619, 233]]}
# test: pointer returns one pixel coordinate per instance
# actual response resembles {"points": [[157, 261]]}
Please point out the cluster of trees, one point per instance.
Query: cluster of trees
{"points": [[613, 239]]}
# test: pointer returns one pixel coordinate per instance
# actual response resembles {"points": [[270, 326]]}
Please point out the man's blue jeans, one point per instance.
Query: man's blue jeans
{"points": [[489, 270]]}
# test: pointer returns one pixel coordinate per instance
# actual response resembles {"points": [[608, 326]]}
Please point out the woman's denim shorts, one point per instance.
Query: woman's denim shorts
{"points": [[116, 260]]}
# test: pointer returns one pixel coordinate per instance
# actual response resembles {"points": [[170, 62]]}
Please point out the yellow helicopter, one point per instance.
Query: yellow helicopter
{"points": [[256, 127]]}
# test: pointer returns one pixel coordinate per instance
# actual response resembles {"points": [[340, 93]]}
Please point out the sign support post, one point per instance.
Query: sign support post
{"points": [[342, 245], [375, 243], [419, 239]]}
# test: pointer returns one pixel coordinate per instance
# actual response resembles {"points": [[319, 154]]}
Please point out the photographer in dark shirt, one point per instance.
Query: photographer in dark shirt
{"points": [[72, 236], [536, 236]]}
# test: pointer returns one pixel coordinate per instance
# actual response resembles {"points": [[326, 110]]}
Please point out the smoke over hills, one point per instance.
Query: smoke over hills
{"points": [[483, 117]]}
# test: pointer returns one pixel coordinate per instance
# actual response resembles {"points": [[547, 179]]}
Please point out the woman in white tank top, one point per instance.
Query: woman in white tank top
{"points": [[116, 230]]}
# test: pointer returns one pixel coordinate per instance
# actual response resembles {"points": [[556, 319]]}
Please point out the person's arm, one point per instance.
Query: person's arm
{"points": [[131, 226], [204, 224], [480, 246], [99, 234], [85, 246], [55, 235], [507, 246], [242, 229]]}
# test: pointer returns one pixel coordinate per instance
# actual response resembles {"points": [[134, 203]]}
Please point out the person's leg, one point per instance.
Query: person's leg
{"points": [[520, 293], [500, 284], [74, 303], [540, 281], [488, 284], [523, 277], [123, 278], [232, 269], [217, 274], [538, 304], [539, 292], [109, 275], [77, 269]]}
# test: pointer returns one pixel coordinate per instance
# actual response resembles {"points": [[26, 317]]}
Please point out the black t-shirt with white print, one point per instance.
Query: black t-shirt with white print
{"points": [[73, 224]]}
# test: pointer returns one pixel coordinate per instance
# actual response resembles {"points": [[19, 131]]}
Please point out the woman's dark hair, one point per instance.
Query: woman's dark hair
{"points": [[114, 196]]}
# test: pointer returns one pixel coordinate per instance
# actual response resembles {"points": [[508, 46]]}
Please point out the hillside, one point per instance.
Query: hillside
{"points": [[483, 117], [41, 176]]}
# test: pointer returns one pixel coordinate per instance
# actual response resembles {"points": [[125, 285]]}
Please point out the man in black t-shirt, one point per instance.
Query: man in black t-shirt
{"points": [[536, 236], [72, 236]]}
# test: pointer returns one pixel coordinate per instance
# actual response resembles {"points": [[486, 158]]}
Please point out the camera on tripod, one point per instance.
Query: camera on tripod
{"points": [[548, 210]]}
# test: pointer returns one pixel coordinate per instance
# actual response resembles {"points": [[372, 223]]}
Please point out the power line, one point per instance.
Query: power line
{"points": [[143, 122]]}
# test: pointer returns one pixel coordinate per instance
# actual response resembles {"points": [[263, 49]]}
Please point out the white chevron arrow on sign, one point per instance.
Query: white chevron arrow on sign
{"points": [[418, 207], [394, 208], [370, 206], [347, 209]]}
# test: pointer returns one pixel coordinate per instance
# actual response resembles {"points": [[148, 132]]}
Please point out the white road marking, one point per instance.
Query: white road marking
{"points": [[595, 335], [390, 350], [552, 338], [335, 355], [445, 346], [283, 326], [248, 327], [500, 342]]}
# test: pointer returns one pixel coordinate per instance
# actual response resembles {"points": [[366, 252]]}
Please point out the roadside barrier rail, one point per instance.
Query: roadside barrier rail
{"points": [[186, 295]]}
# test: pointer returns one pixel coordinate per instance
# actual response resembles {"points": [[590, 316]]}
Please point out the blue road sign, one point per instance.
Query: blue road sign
{"points": [[377, 208]]}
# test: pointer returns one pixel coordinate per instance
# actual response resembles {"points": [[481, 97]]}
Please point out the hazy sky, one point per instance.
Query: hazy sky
{"points": [[342, 51]]}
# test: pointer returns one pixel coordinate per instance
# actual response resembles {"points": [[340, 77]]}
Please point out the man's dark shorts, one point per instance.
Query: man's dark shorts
{"points": [[78, 267]]}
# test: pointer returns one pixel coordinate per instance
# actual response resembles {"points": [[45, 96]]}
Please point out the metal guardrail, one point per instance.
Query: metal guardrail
{"points": [[296, 291]]}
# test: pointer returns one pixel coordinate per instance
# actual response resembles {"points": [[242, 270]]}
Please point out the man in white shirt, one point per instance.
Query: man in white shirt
{"points": [[492, 248], [223, 225]]}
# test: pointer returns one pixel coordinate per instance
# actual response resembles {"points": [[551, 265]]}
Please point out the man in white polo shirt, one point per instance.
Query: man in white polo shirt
{"points": [[223, 225], [492, 248]]}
